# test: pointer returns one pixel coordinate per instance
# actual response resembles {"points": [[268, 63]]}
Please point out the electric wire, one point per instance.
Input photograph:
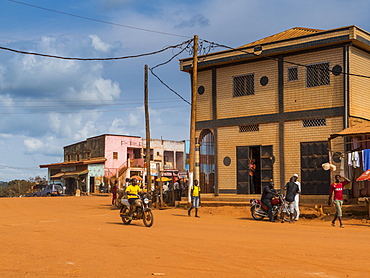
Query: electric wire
{"points": [[164, 63], [94, 59], [97, 20]]}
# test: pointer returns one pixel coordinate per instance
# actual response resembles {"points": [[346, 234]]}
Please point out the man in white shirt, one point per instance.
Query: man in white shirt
{"points": [[296, 199]]}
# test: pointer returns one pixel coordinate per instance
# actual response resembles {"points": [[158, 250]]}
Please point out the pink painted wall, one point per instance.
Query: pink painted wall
{"points": [[119, 144]]}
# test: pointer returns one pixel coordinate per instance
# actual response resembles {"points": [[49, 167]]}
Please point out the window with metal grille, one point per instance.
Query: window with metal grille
{"points": [[293, 74], [243, 85], [314, 122], [249, 128], [317, 74]]}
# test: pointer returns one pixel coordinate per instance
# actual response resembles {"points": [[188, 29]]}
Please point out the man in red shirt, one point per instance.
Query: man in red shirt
{"points": [[336, 197]]}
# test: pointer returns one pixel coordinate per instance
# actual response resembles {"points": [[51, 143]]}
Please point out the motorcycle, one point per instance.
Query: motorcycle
{"points": [[280, 208], [140, 210]]}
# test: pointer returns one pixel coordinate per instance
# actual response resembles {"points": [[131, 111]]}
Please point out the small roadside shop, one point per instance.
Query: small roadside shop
{"points": [[354, 160]]}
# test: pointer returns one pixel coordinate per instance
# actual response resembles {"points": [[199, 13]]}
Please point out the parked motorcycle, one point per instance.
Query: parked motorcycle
{"points": [[279, 208], [141, 210]]}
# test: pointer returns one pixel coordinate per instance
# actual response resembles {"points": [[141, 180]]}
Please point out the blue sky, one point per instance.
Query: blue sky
{"points": [[48, 103]]}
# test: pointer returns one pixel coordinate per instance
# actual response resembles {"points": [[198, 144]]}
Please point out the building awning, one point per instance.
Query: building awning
{"points": [[69, 174], [358, 129]]}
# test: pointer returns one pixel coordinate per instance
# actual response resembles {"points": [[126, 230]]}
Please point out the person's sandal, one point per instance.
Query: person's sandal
{"points": [[333, 224], [342, 226]]}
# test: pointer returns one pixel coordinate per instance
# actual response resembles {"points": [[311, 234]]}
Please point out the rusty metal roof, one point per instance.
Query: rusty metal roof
{"points": [[288, 34], [358, 129], [69, 163]]}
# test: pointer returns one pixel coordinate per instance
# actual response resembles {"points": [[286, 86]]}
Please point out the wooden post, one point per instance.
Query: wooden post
{"points": [[147, 128], [193, 112]]}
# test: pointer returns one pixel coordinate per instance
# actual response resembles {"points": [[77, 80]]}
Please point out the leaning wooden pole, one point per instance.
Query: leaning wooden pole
{"points": [[194, 81], [147, 128]]}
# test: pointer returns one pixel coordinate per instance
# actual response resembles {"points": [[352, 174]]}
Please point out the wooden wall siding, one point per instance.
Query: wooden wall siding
{"points": [[264, 101], [230, 137], [359, 90], [94, 145], [204, 102], [294, 134], [298, 97]]}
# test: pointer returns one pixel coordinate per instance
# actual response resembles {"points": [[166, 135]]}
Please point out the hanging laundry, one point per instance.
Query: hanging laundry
{"points": [[342, 161], [366, 159], [356, 160], [350, 159]]}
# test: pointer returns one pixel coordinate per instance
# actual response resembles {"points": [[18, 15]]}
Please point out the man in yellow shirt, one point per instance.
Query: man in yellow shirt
{"points": [[195, 198], [133, 191]]}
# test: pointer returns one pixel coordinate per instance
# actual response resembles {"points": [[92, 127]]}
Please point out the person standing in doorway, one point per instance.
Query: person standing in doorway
{"points": [[252, 170], [336, 198], [296, 198], [114, 192], [195, 197]]}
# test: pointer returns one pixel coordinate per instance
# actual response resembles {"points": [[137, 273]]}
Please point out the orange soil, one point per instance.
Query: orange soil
{"points": [[84, 237]]}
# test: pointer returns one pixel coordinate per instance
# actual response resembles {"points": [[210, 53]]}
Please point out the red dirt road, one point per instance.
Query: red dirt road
{"points": [[84, 237]]}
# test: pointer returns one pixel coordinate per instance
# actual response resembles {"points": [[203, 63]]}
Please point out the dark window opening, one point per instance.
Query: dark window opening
{"points": [[243, 85], [293, 74], [317, 75]]}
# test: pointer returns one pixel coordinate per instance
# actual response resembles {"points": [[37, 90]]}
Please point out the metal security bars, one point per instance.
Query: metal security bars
{"points": [[243, 85], [314, 122], [249, 128], [317, 74], [293, 74]]}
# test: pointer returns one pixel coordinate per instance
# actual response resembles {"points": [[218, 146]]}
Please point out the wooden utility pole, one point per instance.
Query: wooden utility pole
{"points": [[147, 128], [194, 81]]}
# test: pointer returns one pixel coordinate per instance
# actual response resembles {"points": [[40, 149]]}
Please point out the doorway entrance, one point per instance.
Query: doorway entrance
{"points": [[249, 181]]}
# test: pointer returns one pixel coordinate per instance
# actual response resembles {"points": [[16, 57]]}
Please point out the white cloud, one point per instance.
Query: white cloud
{"points": [[33, 145], [98, 44]]}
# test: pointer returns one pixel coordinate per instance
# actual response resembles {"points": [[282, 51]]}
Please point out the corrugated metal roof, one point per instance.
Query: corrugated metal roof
{"points": [[83, 162], [69, 174], [288, 34], [361, 128]]}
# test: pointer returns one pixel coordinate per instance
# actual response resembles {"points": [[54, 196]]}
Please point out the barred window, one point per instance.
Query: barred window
{"points": [[249, 128], [317, 75], [293, 74], [243, 85], [314, 122]]}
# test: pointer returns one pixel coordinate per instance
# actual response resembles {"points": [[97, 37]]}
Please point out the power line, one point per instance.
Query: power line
{"points": [[94, 59], [78, 112], [97, 20], [164, 63]]}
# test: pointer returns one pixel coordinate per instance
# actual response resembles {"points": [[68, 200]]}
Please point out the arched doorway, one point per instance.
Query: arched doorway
{"points": [[207, 161]]}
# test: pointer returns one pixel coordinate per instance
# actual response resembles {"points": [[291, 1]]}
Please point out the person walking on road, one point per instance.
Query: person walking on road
{"points": [[195, 197], [268, 193], [114, 192], [296, 198], [336, 198], [291, 190]]}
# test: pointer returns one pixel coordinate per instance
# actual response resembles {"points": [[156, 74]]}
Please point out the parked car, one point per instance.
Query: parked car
{"points": [[49, 190]]}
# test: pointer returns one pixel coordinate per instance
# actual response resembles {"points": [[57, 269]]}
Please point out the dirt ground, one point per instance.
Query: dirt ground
{"points": [[84, 237]]}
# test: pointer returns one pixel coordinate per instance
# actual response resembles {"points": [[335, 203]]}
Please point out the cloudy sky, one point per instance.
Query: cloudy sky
{"points": [[47, 103]]}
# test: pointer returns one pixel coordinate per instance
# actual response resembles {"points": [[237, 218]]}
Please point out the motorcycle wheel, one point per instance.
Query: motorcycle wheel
{"points": [[125, 218], [255, 215], [287, 218], [118, 203], [148, 218]]}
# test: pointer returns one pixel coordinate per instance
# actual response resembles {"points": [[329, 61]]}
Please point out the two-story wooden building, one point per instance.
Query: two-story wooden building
{"points": [[276, 101]]}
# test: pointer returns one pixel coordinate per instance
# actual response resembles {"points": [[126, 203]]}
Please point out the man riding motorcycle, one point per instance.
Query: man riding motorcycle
{"points": [[268, 193], [133, 191]]}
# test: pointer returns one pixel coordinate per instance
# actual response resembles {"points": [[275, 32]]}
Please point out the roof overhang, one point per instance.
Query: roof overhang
{"points": [[69, 174], [269, 48], [74, 163], [358, 129]]}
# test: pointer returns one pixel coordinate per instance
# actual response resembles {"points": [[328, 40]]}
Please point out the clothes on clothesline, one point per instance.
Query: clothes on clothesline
{"points": [[366, 159]]}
